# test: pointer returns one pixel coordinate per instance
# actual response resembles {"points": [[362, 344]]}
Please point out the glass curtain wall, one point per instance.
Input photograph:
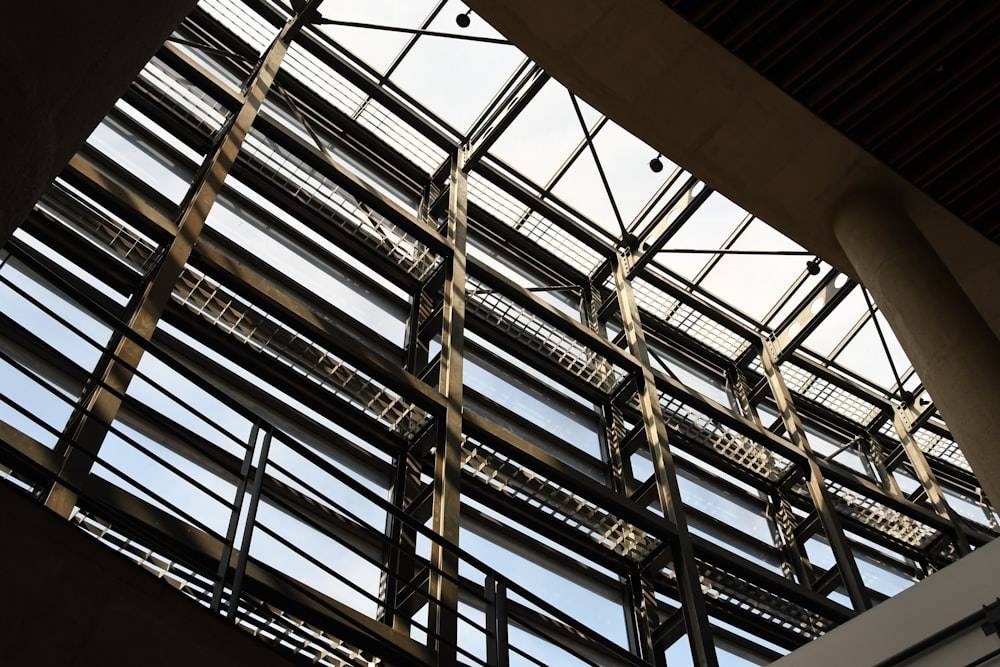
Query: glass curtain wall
{"points": [[415, 358]]}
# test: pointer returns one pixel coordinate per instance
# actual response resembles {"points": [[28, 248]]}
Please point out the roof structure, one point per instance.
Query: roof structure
{"points": [[366, 332]]}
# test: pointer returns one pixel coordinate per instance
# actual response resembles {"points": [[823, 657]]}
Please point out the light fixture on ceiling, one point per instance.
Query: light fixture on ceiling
{"points": [[463, 20], [812, 266], [656, 165]]}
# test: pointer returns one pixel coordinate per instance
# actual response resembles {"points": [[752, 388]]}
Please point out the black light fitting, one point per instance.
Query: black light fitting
{"points": [[656, 165], [812, 266], [463, 20]]}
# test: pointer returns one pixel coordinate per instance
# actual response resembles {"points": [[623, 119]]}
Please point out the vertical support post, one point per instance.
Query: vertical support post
{"points": [[739, 399], [248, 524], [782, 521], [497, 646], [873, 455], [688, 584], [828, 518], [642, 627], [234, 519], [613, 421], [400, 566], [97, 410], [641, 616], [443, 618], [779, 514], [927, 479]]}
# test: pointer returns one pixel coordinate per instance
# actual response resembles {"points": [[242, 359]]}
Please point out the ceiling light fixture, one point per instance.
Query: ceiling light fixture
{"points": [[463, 20]]}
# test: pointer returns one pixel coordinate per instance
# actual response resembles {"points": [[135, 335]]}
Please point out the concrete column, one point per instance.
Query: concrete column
{"points": [[951, 346], [63, 64]]}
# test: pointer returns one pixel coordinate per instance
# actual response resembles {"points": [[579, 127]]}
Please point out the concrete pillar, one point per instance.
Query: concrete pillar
{"points": [[951, 346], [62, 66]]}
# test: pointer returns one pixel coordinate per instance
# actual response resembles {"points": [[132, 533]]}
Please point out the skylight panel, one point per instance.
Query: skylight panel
{"points": [[456, 79], [865, 356], [544, 134], [838, 324], [626, 164], [377, 48], [754, 283], [709, 227], [581, 188]]}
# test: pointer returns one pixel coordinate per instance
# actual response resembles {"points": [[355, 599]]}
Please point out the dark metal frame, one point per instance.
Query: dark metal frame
{"points": [[393, 412]]}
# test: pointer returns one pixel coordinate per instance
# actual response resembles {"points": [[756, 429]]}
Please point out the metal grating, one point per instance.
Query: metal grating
{"points": [[687, 320], [355, 103], [941, 447], [813, 388], [116, 240], [533, 225], [182, 98], [251, 325], [731, 589], [701, 429], [253, 29], [527, 329], [867, 511], [310, 187], [579, 514]]}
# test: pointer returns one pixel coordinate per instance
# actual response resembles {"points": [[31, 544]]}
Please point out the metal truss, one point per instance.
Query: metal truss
{"points": [[299, 424]]}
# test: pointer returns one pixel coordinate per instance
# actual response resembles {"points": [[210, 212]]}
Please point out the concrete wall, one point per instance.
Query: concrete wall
{"points": [[67, 600], [918, 612], [63, 64]]}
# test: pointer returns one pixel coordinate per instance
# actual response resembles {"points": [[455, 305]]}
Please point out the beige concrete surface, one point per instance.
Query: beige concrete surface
{"points": [[957, 354], [915, 614]]}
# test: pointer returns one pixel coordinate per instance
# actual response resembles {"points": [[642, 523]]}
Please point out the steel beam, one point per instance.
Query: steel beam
{"points": [[928, 480], [815, 482], [495, 120], [234, 519], [87, 427], [685, 568], [261, 450], [780, 518], [406, 493], [497, 648], [442, 617], [643, 621]]}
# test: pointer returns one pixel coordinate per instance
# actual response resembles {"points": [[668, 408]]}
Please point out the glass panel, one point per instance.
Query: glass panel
{"points": [[709, 227], [346, 290], [140, 157], [542, 136], [532, 404], [569, 596], [754, 283], [456, 79]]}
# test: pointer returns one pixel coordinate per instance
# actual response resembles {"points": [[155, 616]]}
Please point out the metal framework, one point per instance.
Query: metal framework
{"points": [[366, 390]]}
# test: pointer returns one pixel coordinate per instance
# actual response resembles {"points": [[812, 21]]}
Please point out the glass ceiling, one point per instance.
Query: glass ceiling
{"points": [[416, 50]]}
